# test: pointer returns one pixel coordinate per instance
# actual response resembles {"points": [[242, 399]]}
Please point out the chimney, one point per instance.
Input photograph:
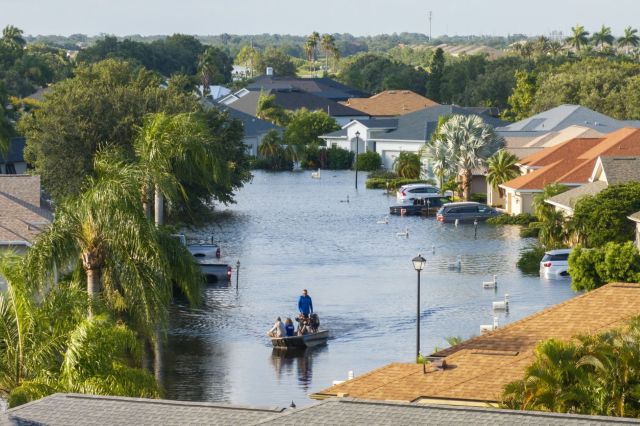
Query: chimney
{"points": [[269, 71]]}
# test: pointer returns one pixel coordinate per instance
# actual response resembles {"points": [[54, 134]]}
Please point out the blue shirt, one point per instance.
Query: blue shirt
{"points": [[289, 329], [305, 305]]}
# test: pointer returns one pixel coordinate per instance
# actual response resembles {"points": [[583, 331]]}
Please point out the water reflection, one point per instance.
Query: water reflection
{"points": [[286, 362]]}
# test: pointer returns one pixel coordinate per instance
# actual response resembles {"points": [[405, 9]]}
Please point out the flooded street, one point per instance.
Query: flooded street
{"points": [[292, 232]]}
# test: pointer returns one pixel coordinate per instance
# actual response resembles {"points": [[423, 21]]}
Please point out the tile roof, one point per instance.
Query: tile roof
{"points": [[63, 409], [21, 217], [479, 368], [561, 117], [568, 199], [390, 103], [572, 162], [293, 100]]}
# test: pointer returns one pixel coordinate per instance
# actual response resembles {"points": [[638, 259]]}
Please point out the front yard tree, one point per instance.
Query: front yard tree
{"points": [[408, 165], [501, 168], [306, 126]]}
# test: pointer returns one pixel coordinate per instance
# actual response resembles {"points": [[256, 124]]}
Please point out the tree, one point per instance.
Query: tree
{"points": [[215, 67], [436, 153], [436, 73], [542, 209], [579, 37], [629, 39], [248, 58], [602, 218], [278, 60], [304, 127], [522, 97], [603, 37], [101, 106], [614, 262], [267, 109], [374, 73], [408, 165], [470, 143], [311, 47], [501, 168]]}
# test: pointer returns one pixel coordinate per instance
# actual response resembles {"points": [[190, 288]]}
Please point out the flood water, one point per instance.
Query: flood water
{"points": [[292, 232]]}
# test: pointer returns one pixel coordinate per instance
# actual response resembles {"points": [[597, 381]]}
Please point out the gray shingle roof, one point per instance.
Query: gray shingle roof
{"points": [[341, 134], [64, 409], [568, 199], [635, 217], [322, 86], [561, 117], [253, 126], [16, 151], [293, 100], [621, 169]]}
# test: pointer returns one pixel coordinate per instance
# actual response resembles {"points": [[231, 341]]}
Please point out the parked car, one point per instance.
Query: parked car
{"points": [[555, 263], [465, 212], [407, 193], [420, 206]]}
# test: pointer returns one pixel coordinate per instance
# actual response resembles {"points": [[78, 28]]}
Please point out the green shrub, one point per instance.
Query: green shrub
{"points": [[615, 262], [276, 163], [478, 198], [529, 262], [531, 231], [383, 174], [338, 158], [381, 183], [519, 219], [369, 161]]}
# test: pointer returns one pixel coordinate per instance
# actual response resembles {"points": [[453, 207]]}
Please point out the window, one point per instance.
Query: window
{"points": [[469, 209], [10, 169], [334, 145]]}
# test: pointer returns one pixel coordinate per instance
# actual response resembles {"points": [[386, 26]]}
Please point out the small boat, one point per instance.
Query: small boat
{"points": [[305, 341]]}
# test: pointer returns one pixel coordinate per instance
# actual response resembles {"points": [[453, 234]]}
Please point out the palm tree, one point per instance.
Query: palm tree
{"points": [[541, 209], [267, 109], [502, 168], [12, 36], [555, 48], [408, 165], [629, 39], [602, 37], [437, 156], [312, 46], [541, 45], [328, 44], [470, 142], [579, 37]]}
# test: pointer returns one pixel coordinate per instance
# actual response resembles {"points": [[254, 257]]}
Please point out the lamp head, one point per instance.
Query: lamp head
{"points": [[357, 133], [419, 262]]}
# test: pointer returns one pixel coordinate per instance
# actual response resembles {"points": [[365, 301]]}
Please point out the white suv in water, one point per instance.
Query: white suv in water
{"points": [[555, 263], [407, 193]]}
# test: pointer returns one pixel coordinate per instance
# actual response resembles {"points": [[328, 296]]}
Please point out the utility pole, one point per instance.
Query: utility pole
{"points": [[430, 15]]}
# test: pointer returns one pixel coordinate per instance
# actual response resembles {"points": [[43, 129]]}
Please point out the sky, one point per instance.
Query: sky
{"points": [[358, 17]]}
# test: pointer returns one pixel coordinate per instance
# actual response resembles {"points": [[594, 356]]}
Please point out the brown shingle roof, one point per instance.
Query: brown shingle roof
{"points": [[21, 217], [479, 368], [390, 103], [572, 162]]}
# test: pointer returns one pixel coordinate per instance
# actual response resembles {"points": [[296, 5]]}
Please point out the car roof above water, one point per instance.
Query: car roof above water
{"points": [[558, 251], [464, 203]]}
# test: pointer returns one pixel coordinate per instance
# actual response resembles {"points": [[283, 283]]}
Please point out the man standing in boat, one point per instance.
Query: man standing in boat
{"points": [[305, 305]]}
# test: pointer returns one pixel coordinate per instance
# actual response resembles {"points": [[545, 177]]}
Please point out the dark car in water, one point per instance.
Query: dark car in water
{"points": [[465, 212], [419, 206]]}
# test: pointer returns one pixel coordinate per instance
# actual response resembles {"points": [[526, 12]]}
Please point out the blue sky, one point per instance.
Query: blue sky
{"points": [[360, 17]]}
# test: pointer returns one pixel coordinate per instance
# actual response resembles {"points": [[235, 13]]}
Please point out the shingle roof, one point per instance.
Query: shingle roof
{"points": [[390, 103], [635, 217], [319, 86], [563, 116], [621, 169], [568, 199], [293, 100], [572, 162], [64, 409], [16, 151], [253, 126], [480, 367], [21, 217]]}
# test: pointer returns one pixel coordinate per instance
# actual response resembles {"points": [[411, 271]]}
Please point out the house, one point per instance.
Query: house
{"points": [[13, 161], [570, 163], [80, 409], [390, 103], [292, 100], [546, 129], [319, 86], [22, 216], [636, 218], [475, 372], [406, 133], [607, 171], [215, 92]]}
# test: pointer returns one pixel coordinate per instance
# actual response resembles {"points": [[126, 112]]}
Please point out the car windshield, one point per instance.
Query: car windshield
{"points": [[555, 257]]}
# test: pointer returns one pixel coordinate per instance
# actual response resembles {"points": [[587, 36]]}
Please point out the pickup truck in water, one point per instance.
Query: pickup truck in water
{"points": [[207, 254]]}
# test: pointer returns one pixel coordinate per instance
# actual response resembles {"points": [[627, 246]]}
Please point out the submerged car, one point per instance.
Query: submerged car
{"points": [[415, 191], [555, 263], [421, 206], [467, 211]]}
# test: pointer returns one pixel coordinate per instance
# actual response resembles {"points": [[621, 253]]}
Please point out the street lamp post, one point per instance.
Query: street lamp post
{"points": [[419, 263], [357, 140]]}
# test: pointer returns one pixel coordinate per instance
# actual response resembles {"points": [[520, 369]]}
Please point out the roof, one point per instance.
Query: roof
{"points": [[293, 100], [568, 199], [16, 151], [479, 368], [621, 169], [635, 217], [572, 162], [21, 217], [319, 86], [39, 94], [63, 409], [523, 146], [419, 125], [253, 126], [561, 117], [390, 103]]}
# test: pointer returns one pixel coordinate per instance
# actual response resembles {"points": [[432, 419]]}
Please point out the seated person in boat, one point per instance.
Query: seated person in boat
{"points": [[277, 330], [289, 328]]}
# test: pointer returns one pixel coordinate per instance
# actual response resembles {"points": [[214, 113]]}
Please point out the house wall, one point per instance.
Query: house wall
{"points": [[478, 184], [252, 145], [493, 197], [638, 235], [390, 150], [518, 202], [21, 168]]}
